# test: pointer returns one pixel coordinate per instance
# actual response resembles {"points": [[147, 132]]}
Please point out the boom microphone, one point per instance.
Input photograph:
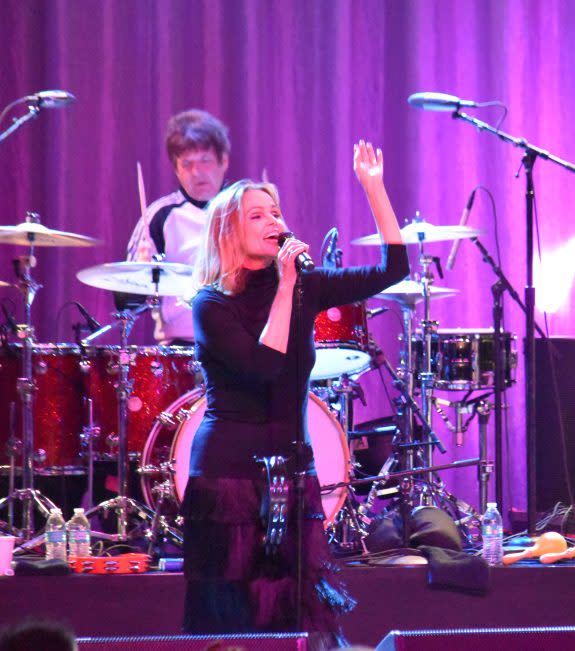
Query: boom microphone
{"points": [[439, 102], [462, 222], [51, 98], [303, 261], [93, 325]]}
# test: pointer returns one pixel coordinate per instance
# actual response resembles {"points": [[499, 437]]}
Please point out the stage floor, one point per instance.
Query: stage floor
{"points": [[389, 598]]}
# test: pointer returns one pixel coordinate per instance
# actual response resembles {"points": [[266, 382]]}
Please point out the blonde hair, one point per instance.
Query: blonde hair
{"points": [[222, 251]]}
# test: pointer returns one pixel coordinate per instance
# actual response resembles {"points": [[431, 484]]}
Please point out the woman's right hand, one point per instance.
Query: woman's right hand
{"points": [[287, 255]]}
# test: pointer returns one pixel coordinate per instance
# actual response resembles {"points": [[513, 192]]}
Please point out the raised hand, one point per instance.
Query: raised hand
{"points": [[367, 164]]}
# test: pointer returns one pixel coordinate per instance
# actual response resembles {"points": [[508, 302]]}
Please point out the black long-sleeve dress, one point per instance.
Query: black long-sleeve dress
{"points": [[253, 393]]}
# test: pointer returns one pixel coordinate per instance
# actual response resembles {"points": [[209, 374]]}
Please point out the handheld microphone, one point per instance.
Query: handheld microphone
{"points": [[462, 222], [303, 261], [50, 98], [93, 325], [439, 102]]}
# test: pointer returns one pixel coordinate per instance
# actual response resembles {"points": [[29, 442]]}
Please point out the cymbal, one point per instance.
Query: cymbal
{"points": [[137, 277], [5, 284], [28, 233], [410, 292], [417, 232]]}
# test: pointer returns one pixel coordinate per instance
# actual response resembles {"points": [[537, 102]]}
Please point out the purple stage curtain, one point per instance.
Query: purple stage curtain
{"points": [[298, 81]]}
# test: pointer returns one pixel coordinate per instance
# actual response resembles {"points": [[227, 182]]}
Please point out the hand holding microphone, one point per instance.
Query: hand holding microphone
{"points": [[303, 261]]}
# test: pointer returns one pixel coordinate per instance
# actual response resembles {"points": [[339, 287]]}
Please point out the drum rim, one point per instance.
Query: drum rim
{"points": [[145, 481]]}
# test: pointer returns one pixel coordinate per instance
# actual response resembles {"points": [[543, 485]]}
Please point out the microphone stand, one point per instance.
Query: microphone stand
{"points": [[502, 285], [300, 471], [530, 155], [33, 110]]}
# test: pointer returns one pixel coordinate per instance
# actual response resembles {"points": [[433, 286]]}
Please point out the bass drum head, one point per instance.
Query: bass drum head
{"points": [[327, 437]]}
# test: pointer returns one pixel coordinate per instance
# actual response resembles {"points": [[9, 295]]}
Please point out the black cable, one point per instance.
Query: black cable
{"points": [[59, 315]]}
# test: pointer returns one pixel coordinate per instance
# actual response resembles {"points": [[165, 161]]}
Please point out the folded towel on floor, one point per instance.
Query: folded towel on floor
{"points": [[53, 567], [452, 570]]}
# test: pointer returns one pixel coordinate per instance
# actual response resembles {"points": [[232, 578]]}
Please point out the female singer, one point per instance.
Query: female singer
{"points": [[257, 351]]}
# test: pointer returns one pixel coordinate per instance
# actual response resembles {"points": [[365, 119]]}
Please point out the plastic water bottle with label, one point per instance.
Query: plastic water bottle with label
{"points": [[55, 536], [492, 530], [78, 529]]}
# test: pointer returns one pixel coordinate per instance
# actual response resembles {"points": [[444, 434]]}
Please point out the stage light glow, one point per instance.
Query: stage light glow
{"points": [[553, 277]]}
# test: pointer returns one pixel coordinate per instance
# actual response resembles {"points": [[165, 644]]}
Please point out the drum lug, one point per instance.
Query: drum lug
{"points": [[167, 420], [40, 457]]}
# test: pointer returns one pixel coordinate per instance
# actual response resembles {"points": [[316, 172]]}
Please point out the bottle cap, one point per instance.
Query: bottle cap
{"points": [[494, 504], [79, 510]]}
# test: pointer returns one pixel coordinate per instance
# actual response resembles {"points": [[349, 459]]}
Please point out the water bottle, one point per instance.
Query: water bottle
{"points": [[78, 534], [55, 536], [492, 530]]}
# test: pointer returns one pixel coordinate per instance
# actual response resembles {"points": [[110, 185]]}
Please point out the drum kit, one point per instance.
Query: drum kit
{"points": [[85, 403]]}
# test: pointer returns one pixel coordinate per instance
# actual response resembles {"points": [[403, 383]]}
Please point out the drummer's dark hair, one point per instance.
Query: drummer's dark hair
{"points": [[196, 129]]}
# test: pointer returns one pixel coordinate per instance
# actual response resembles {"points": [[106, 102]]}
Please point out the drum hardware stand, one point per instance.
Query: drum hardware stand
{"points": [[122, 504], [159, 525], [25, 388], [407, 369], [13, 450], [429, 327], [481, 407], [412, 491], [431, 440], [498, 289], [87, 436], [348, 522]]}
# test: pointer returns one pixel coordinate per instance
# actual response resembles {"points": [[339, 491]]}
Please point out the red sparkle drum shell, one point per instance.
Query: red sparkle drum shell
{"points": [[174, 443], [341, 342], [57, 405], [159, 375]]}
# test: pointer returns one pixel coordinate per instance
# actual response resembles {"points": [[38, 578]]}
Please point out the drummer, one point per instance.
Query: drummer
{"points": [[198, 146]]}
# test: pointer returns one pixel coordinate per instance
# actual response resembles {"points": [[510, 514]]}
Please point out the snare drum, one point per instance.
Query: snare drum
{"points": [[341, 342], [159, 375], [172, 436], [57, 405], [464, 359]]}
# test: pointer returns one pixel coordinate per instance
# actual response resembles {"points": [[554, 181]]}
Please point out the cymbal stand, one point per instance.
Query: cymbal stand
{"points": [[122, 504], [429, 327], [407, 371], [25, 387]]}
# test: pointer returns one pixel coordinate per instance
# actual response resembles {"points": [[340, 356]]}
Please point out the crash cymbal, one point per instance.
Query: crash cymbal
{"points": [[421, 231], [138, 277], [3, 284], [28, 233], [410, 292]]}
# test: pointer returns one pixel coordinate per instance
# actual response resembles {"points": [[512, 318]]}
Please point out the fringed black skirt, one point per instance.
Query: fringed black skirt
{"points": [[234, 584]]}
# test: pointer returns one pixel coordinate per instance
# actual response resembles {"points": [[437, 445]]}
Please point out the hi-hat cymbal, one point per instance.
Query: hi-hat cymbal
{"points": [[421, 231], [138, 277], [410, 292], [28, 233]]}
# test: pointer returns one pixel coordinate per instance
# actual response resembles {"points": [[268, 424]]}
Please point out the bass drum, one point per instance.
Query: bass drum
{"points": [[172, 436]]}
